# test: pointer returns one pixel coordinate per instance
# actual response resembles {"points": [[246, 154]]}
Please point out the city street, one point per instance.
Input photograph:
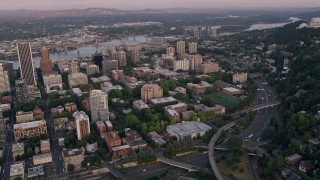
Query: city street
{"points": [[56, 154]]}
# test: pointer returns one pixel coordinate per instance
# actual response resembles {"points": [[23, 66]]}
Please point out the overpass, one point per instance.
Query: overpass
{"points": [[212, 147], [257, 107], [178, 164], [215, 137]]}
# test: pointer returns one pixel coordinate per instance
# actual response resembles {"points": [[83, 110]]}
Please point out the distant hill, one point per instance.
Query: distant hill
{"points": [[23, 14]]}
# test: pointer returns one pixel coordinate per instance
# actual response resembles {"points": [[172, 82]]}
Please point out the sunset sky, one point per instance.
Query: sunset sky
{"points": [[141, 4]]}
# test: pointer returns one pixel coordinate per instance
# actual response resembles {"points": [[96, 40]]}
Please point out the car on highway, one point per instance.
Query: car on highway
{"points": [[250, 136]]}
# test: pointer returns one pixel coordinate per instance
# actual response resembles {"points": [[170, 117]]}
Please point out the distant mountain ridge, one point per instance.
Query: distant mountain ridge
{"points": [[23, 14]]}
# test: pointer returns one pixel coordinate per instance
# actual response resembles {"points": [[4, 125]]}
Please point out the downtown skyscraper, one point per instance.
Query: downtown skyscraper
{"points": [[26, 63]]}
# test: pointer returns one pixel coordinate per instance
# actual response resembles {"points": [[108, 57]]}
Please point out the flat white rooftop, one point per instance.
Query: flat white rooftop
{"points": [[29, 124]]}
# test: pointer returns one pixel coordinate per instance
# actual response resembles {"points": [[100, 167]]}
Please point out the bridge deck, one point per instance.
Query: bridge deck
{"points": [[178, 164]]}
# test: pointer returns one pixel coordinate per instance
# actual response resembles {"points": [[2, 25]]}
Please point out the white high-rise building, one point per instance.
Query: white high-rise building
{"points": [[4, 79], [82, 124], [170, 51], [181, 47], [193, 48], [181, 65], [99, 106]]}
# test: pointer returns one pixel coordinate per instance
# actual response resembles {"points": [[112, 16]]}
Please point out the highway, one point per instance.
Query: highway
{"points": [[252, 167], [263, 116], [264, 96]]}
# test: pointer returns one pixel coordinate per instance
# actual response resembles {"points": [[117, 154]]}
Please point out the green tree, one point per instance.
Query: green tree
{"points": [[115, 93], [278, 162], [131, 120], [180, 96], [84, 164], [307, 136], [70, 168], [235, 144]]}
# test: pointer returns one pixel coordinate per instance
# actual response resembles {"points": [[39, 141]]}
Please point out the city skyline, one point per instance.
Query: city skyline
{"points": [[136, 4]]}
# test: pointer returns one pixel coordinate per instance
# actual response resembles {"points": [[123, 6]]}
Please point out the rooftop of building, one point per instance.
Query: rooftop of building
{"points": [[17, 168], [188, 128], [119, 148], [231, 89], [40, 156], [100, 79], [148, 86], [144, 69], [293, 157], [18, 113], [112, 135], [29, 124], [45, 143], [72, 152], [202, 84], [80, 115], [100, 123], [163, 100], [17, 147], [35, 171], [97, 92], [64, 119], [75, 75], [221, 84]]}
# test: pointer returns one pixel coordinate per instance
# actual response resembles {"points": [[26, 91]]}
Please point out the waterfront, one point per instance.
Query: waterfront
{"points": [[87, 51], [262, 26]]}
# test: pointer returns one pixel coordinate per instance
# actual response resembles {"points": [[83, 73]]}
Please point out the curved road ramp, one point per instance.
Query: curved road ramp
{"points": [[178, 164]]}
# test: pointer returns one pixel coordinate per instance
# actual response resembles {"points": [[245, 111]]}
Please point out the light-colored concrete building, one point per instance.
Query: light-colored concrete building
{"points": [[151, 91], [181, 47], [23, 117], [193, 47], [45, 146], [240, 78], [92, 69], [141, 72], [173, 111], [210, 67], [52, 81], [73, 67], [170, 51], [109, 65], [29, 129], [4, 79], [195, 62], [35, 172], [76, 79], [74, 157], [218, 109], [17, 170], [139, 104], [117, 74], [136, 55], [122, 58], [82, 124], [164, 101], [181, 65], [42, 159], [188, 129], [99, 106], [17, 150], [199, 88]]}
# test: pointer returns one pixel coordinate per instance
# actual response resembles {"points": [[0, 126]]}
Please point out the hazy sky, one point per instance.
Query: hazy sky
{"points": [[141, 4]]}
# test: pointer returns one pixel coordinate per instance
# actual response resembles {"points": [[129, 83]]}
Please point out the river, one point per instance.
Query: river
{"points": [[87, 51], [262, 26]]}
